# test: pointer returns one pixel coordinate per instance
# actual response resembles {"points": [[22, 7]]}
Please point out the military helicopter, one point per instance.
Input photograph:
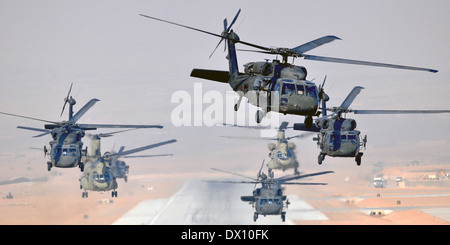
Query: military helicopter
{"points": [[275, 86], [99, 174], [337, 135], [66, 147], [118, 167], [282, 154], [269, 199]]}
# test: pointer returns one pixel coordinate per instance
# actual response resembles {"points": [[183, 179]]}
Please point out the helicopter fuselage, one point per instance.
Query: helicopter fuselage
{"points": [[66, 147], [266, 85], [97, 177], [267, 200], [339, 143], [282, 156]]}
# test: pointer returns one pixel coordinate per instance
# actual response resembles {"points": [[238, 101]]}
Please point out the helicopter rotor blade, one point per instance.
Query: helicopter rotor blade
{"points": [[299, 183], [143, 148], [66, 99], [46, 131], [233, 182], [300, 136], [83, 110], [240, 175], [367, 63], [289, 178], [314, 44], [156, 155], [207, 32], [32, 118], [233, 21], [102, 135], [350, 97], [94, 126], [399, 111]]}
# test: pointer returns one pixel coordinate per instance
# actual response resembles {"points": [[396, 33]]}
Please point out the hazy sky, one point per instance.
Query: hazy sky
{"points": [[134, 65]]}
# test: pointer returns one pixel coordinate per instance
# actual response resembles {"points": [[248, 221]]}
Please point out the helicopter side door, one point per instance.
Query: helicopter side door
{"points": [[334, 141]]}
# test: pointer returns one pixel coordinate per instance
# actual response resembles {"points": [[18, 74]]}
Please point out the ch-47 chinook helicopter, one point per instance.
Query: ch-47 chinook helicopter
{"points": [[118, 167], [275, 86], [337, 135], [98, 174], [66, 147], [269, 199]]}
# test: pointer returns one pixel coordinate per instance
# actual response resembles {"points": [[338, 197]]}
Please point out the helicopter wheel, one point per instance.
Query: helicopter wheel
{"points": [[358, 159], [320, 158], [308, 122], [81, 166], [114, 194], [255, 216], [283, 217], [49, 166], [259, 116], [84, 194]]}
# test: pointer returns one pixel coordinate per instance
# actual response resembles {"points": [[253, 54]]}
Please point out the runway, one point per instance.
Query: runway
{"points": [[211, 203]]}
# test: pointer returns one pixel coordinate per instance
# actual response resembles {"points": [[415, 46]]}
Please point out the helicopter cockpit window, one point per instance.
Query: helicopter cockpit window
{"points": [[311, 91], [352, 139], [343, 138], [72, 152], [279, 154], [300, 89], [64, 152], [263, 201], [288, 88]]}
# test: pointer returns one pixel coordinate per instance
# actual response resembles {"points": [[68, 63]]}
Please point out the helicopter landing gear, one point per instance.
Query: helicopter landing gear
{"points": [[358, 158], [308, 122], [81, 166], [283, 216], [113, 193], [255, 217], [238, 103], [320, 158], [259, 116], [49, 166], [84, 194]]}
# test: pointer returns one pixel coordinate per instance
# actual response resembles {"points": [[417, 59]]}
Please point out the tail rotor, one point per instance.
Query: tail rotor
{"points": [[226, 31]]}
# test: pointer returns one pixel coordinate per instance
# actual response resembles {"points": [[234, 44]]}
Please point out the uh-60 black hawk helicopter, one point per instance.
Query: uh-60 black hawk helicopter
{"points": [[269, 199], [66, 147], [337, 135], [275, 86]]}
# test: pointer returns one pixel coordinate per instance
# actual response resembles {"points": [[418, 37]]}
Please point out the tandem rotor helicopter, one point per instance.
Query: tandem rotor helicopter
{"points": [[269, 199], [66, 147], [337, 135], [99, 174], [275, 86]]}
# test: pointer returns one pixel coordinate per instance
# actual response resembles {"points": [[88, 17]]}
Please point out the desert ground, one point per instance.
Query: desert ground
{"points": [[349, 198]]}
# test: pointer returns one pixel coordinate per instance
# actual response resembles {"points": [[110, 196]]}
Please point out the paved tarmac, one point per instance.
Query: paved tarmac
{"points": [[211, 203]]}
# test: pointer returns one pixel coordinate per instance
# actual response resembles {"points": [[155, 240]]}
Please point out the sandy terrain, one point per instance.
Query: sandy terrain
{"points": [[347, 199]]}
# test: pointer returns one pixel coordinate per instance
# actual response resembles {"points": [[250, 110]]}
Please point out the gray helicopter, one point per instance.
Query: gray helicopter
{"points": [[98, 174], [282, 154], [337, 135], [269, 199], [66, 147], [278, 85]]}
